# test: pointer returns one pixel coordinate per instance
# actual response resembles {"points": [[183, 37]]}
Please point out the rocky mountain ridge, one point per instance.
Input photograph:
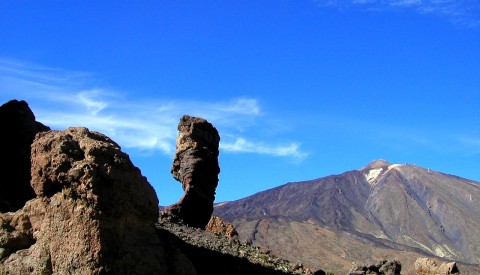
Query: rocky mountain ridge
{"points": [[400, 210]]}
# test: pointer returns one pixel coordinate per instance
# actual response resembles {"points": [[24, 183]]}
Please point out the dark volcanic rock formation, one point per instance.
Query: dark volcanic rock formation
{"points": [[18, 131], [94, 212], [196, 166], [381, 268]]}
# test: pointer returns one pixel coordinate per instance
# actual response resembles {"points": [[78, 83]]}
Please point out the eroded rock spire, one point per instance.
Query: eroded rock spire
{"points": [[196, 166]]}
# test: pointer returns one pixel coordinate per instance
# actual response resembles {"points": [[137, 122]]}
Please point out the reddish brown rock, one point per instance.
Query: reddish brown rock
{"points": [[221, 228], [94, 212], [196, 166], [18, 131], [427, 266]]}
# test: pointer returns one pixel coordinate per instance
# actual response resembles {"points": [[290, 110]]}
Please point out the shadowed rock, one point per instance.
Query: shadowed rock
{"points": [[18, 131], [381, 268], [196, 166], [94, 212]]}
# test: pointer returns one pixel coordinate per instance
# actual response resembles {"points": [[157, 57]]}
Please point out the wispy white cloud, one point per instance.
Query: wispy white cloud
{"points": [[91, 99], [40, 75], [242, 145], [64, 99], [463, 12]]}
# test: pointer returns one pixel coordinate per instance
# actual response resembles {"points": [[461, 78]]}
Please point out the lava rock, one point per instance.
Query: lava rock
{"points": [[383, 267], [196, 166], [221, 228], [94, 212], [18, 132]]}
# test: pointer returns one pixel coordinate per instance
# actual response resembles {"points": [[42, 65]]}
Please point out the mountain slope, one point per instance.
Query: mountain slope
{"points": [[406, 210]]}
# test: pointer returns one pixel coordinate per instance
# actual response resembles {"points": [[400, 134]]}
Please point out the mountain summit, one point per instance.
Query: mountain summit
{"points": [[375, 164], [381, 210]]}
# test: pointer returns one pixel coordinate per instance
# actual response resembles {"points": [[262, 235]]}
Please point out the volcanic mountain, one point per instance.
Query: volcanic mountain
{"points": [[382, 210]]}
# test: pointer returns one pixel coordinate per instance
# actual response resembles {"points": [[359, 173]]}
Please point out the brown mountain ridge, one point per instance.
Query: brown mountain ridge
{"points": [[382, 210]]}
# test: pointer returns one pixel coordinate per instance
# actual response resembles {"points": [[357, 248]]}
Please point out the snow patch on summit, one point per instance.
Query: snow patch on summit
{"points": [[394, 166], [373, 174]]}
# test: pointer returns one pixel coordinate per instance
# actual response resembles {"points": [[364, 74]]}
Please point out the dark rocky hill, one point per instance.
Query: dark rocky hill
{"points": [[381, 210]]}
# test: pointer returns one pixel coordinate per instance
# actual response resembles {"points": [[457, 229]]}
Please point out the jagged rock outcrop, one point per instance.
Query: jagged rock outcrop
{"points": [[381, 268], [221, 228], [196, 166], [94, 213], [18, 131], [427, 266]]}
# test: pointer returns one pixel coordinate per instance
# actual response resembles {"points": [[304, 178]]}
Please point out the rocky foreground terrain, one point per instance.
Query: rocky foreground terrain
{"points": [[381, 211], [89, 210], [218, 252]]}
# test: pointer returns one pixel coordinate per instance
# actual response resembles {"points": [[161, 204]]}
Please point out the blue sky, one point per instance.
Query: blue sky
{"points": [[297, 89]]}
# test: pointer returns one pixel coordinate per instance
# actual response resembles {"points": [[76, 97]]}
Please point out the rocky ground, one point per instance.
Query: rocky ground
{"points": [[199, 245]]}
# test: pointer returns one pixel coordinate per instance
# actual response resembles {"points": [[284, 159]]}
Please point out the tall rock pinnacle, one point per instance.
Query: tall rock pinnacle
{"points": [[196, 166]]}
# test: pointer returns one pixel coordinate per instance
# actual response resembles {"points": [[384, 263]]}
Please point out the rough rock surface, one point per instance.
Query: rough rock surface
{"points": [[381, 268], [92, 213], [18, 132], [215, 254], [196, 166], [220, 227], [427, 266]]}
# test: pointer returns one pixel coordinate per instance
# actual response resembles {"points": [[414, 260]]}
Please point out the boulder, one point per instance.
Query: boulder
{"points": [[383, 267], [427, 266], [221, 228], [94, 213], [18, 132], [195, 165]]}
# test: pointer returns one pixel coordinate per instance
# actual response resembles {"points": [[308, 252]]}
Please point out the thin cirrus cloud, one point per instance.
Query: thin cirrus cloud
{"points": [[462, 12], [63, 99], [243, 145]]}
